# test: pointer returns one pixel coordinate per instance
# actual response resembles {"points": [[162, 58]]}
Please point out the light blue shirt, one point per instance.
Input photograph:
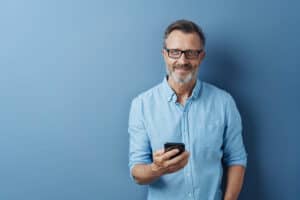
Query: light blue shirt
{"points": [[209, 125]]}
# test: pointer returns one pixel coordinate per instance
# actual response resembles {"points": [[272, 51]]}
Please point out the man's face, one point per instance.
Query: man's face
{"points": [[183, 70]]}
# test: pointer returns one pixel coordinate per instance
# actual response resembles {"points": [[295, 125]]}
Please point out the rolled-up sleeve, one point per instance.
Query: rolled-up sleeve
{"points": [[139, 145], [234, 149]]}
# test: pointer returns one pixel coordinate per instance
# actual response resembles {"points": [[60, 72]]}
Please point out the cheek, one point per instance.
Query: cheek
{"points": [[170, 63], [196, 63]]}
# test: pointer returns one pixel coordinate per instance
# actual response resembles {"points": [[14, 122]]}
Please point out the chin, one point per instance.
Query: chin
{"points": [[182, 79]]}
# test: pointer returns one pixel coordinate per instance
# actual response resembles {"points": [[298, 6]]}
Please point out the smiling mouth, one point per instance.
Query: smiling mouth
{"points": [[183, 69]]}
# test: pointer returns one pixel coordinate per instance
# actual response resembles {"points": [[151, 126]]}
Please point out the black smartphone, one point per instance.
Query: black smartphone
{"points": [[175, 145]]}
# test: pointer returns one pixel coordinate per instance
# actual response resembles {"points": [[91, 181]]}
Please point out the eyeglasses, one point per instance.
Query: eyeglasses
{"points": [[189, 54]]}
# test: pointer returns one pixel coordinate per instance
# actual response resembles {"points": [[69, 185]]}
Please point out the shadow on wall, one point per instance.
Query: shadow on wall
{"points": [[223, 69]]}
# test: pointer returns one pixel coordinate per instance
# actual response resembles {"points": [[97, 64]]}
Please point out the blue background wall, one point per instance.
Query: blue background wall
{"points": [[69, 70]]}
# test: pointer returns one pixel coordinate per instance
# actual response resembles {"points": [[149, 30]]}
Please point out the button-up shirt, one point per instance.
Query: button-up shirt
{"points": [[209, 125]]}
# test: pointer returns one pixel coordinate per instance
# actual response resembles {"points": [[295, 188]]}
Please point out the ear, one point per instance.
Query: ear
{"points": [[164, 53], [202, 55]]}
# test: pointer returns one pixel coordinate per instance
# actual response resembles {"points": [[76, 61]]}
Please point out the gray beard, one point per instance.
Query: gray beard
{"points": [[181, 81]]}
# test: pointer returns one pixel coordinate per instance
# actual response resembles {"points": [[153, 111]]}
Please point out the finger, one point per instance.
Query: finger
{"points": [[177, 167], [173, 168], [157, 157], [158, 160], [183, 162], [158, 152], [167, 155], [178, 159]]}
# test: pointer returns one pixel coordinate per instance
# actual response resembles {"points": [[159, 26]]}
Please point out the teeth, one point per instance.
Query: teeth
{"points": [[182, 69]]}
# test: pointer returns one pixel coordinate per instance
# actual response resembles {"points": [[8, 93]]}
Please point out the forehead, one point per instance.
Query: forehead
{"points": [[180, 40]]}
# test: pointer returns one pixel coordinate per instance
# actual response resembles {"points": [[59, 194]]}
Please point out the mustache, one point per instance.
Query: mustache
{"points": [[182, 66]]}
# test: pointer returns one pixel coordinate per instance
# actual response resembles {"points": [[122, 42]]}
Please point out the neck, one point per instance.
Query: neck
{"points": [[183, 91]]}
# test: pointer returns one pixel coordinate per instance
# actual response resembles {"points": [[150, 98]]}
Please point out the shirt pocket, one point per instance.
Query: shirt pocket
{"points": [[210, 134]]}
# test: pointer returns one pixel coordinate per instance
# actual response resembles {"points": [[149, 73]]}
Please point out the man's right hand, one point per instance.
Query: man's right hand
{"points": [[162, 164]]}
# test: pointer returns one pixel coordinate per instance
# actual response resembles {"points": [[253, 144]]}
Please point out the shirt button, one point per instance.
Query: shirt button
{"points": [[190, 194]]}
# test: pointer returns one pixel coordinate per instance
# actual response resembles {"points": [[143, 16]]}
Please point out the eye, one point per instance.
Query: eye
{"points": [[192, 52], [174, 51]]}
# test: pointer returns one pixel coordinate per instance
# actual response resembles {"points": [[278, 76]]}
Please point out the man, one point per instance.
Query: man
{"points": [[185, 109]]}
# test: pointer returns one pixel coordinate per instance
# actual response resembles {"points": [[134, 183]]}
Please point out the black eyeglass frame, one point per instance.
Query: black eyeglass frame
{"points": [[185, 53]]}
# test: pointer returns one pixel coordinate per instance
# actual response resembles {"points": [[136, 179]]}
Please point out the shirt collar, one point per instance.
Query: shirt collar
{"points": [[171, 95]]}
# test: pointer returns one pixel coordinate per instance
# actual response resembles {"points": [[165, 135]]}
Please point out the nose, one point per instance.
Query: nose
{"points": [[182, 59]]}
